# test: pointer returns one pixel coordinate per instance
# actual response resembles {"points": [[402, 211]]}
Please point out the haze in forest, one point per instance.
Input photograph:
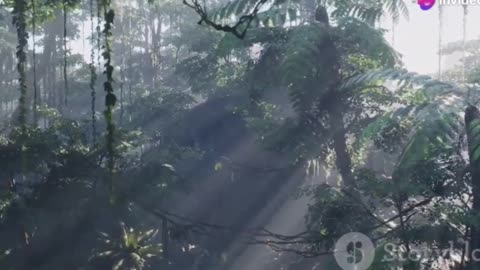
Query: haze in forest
{"points": [[239, 135]]}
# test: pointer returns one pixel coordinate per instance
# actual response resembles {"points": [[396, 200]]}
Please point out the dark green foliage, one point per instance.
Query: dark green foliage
{"points": [[19, 14], [110, 98], [472, 120]]}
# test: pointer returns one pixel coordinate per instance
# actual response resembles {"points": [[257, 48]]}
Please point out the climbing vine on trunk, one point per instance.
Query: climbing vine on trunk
{"points": [[110, 98], [20, 23]]}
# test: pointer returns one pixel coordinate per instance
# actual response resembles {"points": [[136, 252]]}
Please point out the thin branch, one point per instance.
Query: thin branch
{"points": [[245, 20]]}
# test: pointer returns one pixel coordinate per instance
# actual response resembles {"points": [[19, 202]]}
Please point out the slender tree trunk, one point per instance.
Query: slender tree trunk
{"points": [[34, 65], [335, 112], [343, 160], [464, 41], [65, 53], [122, 84], [130, 59], [147, 67], [393, 33], [440, 42], [472, 122], [93, 76]]}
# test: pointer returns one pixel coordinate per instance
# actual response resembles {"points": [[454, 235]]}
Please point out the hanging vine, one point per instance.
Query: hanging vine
{"points": [[93, 77], [110, 98], [65, 52], [34, 64], [20, 23]]}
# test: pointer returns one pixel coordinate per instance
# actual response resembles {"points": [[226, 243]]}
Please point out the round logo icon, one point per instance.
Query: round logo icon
{"points": [[426, 4], [354, 251]]}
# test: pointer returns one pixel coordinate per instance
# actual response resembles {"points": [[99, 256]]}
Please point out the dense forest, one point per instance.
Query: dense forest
{"points": [[167, 134]]}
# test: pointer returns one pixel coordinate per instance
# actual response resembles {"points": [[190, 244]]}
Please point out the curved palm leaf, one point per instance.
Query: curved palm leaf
{"points": [[437, 118], [369, 11], [403, 78], [472, 121], [360, 37], [306, 66]]}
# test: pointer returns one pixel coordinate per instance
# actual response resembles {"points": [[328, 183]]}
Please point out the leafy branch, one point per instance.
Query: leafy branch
{"points": [[244, 20]]}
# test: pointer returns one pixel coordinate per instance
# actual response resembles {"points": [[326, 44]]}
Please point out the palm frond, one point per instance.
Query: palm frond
{"points": [[360, 37], [472, 121], [437, 131], [436, 127], [403, 78], [272, 13], [369, 11], [307, 62], [229, 43], [396, 8]]}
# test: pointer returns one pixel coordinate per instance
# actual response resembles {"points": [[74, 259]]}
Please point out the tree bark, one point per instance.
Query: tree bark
{"points": [[343, 160], [472, 122]]}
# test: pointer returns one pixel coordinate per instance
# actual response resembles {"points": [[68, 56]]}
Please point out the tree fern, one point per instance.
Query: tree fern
{"points": [[357, 36], [307, 65], [437, 131], [436, 118], [472, 121]]}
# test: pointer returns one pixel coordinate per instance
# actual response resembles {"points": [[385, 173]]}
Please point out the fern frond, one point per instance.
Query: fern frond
{"points": [[230, 43], [277, 13], [436, 127], [369, 11], [396, 8], [403, 78], [360, 37], [472, 121], [306, 65], [436, 133]]}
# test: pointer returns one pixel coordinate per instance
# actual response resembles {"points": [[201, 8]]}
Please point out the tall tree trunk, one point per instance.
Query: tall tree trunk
{"points": [[343, 160], [93, 76], [20, 21], [337, 125], [129, 76], [34, 64], [440, 42], [147, 67], [464, 41], [472, 122], [309, 9], [65, 53], [393, 32]]}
